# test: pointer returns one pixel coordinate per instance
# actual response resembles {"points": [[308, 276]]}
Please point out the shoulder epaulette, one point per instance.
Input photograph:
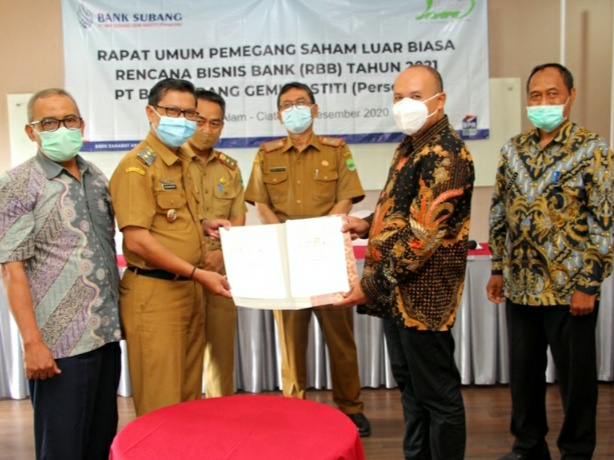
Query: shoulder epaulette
{"points": [[332, 141], [273, 145], [147, 156], [227, 161]]}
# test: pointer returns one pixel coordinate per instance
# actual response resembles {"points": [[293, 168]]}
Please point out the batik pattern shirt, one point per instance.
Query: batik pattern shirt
{"points": [[417, 253], [551, 216], [63, 230]]}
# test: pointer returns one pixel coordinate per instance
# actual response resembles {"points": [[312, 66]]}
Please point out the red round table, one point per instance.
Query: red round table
{"points": [[240, 427]]}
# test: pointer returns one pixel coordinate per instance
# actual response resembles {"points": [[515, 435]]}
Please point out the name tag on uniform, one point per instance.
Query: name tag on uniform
{"points": [[169, 186], [277, 169]]}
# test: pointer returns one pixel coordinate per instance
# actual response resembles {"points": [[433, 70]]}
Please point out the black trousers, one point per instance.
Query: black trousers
{"points": [[572, 343], [423, 366], [75, 412]]}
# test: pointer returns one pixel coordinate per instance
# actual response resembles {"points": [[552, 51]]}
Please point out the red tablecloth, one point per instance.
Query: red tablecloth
{"points": [[240, 427]]}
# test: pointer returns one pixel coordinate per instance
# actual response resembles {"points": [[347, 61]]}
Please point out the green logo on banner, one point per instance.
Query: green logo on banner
{"points": [[446, 9]]}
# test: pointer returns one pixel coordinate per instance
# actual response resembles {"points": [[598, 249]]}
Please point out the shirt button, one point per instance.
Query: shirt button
{"points": [[298, 182], [298, 201]]}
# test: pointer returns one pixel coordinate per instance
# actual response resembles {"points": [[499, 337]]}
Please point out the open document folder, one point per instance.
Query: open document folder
{"points": [[299, 264]]}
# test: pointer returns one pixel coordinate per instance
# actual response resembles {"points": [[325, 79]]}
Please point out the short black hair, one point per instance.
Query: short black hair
{"points": [[169, 84], [295, 85], [211, 96], [565, 73]]}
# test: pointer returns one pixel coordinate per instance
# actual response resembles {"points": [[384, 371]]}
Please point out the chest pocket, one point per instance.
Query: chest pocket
{"points": [[102, 216], [325, 185], [567, 196], [224, 197], [172, 212], [277, 186]]}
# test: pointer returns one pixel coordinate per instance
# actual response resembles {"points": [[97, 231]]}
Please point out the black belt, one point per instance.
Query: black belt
{"points": [[158, 274]]}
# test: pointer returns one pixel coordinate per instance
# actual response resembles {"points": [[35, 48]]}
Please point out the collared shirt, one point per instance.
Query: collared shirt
{"points": [[298, 185], [222, 190], [63, 230], [551, 216], [156, 189], [417, 252]]}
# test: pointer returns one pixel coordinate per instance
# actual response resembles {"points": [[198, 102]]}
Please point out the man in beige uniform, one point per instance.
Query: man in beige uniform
{"points": [[223, 198], [158, 208], [298, 177]]}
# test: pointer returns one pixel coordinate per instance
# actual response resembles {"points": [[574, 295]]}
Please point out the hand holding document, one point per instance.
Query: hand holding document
{"points": [[298, 264]]}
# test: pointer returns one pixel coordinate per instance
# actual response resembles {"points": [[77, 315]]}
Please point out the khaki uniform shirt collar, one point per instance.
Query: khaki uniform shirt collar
{"points": [[168, 156], [314, 141], [212, 156]]}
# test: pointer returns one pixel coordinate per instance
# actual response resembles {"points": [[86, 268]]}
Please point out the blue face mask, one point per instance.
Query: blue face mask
{"points": [[174, 132], [546, 117], [297, 119]]}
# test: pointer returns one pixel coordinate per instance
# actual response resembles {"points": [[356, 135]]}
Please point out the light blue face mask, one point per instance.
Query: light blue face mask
{"points": [[61, 145], [174, 132], [546, 117], [297, 119]]}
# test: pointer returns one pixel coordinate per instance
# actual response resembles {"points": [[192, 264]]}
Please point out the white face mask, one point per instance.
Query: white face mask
{"points": [[410, 114]]}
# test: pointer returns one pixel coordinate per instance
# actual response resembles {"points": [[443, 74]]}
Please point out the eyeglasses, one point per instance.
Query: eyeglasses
{"points": [[299, 105], [214, 124], [52, 124], [174, 112]]}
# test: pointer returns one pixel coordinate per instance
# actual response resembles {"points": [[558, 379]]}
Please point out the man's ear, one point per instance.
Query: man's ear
{"points": [[152, 116], [314, 111], [30, 132], [441, 100]]}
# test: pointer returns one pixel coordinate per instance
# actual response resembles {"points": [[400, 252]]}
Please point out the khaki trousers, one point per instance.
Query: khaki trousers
{"points": [[338, 327], [163, 324], [220, 332]]}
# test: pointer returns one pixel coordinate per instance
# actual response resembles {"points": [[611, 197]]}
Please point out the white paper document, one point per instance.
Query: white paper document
{"points": [[299, 264]]}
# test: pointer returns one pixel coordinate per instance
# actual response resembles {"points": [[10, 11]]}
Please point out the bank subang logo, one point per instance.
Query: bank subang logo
{"points": [[112, 19], [446, 9], [86, 18]]}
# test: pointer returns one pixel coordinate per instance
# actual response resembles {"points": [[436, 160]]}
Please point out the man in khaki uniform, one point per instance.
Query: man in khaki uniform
{"points": [[158, 208], [223, 198], [299, 177]]}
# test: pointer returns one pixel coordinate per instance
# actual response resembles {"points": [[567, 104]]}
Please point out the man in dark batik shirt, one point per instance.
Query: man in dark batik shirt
{"points": [[415, 264]]}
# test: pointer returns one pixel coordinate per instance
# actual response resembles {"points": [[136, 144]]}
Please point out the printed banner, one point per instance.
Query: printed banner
{"points": [[348, 51]]}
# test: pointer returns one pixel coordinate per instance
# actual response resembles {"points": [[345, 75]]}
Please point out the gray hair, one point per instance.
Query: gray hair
{"points": [[48, 93]]}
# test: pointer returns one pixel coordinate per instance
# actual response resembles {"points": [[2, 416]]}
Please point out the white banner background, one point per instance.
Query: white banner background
{"points": [[348, 51]]}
